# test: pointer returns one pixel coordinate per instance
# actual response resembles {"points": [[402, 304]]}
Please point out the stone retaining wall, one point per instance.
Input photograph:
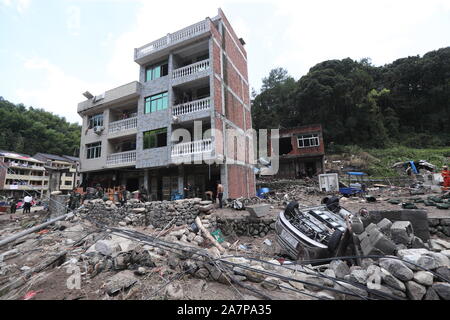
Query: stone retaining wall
{"points": [[156, 213], [246, 226], [439, 226]]}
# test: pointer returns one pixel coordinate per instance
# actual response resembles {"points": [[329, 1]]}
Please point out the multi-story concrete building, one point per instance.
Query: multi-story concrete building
{"points": [[138, 134], [21, 175], [69, 179]]}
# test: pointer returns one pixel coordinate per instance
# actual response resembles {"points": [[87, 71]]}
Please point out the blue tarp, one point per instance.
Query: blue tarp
{"points": [[413, 167], [352, 173]]}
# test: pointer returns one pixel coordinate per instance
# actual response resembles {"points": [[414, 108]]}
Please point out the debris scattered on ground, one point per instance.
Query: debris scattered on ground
{"points": [[187, 249]]}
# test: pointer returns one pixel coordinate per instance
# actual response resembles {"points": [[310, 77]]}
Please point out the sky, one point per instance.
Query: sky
{"points": [[51, 51]]}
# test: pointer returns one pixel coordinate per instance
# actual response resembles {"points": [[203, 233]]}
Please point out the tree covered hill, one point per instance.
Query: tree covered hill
{"points": [[29, 130], [406, 102]]}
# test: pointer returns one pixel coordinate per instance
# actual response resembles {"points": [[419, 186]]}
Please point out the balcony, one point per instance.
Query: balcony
{"points": [[116, 95], [191, 72], [121, 159], [126, 126], [193, 32], [24, 187], [192, 110], [191, 148]]}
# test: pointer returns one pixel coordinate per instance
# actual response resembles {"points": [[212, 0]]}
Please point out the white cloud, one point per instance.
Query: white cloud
{"points": [[58, 92], [295, 35], [74, 20], [319, 30], [149, 26], [20, 5]]}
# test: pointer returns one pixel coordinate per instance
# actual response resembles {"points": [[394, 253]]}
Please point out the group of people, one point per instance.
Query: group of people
{"points": [[123, 195], [210, 195], [27, 203]]}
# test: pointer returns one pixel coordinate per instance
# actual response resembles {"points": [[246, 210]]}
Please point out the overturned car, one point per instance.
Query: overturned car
{"points": [[312, 232]]}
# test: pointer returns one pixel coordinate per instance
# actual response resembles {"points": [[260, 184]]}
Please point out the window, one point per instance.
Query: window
{"points": [[155, 138], [95, 120], [94, 150], [156, 102], [68, 183], [308, 140], [155, 72]]}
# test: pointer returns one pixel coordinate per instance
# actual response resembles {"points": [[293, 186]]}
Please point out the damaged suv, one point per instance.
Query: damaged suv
{"points": [[312, 232]]}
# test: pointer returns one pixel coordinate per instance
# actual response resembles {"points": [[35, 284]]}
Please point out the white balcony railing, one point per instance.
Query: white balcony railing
{"points": [[190, 31], [121, 158], [122, 125], [175, 37], [190, 107], [191, 69], [193, 147]]}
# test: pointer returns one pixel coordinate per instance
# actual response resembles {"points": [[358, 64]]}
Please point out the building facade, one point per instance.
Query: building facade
{"points": [[21, 175], [186, 124], [71, 177], [301, 152]]}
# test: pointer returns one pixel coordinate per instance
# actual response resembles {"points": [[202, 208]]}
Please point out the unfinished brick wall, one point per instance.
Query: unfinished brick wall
{"points": [[241, 181], [231, 88], [298, 131]]}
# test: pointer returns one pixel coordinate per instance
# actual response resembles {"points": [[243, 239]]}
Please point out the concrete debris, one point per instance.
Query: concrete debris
{"points": [[154, 250], [120, 281]]}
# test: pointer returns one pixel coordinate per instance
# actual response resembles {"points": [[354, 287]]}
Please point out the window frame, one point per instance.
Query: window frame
{"points": [[312, 139], [94, 150], [95, 120], [156, 102], [156, 68], [150, 138]]}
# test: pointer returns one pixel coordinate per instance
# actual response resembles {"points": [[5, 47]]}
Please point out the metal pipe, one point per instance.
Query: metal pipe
{"points": [[28, 231]]}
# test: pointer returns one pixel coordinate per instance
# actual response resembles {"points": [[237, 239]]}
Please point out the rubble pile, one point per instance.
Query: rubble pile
{"points": [[156, 213], [415, 274]]}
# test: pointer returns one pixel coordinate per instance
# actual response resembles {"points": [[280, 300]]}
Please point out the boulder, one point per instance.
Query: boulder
{"points": [[423, 277], [340, 268], [329, 273], [390, 280], [359, 276], [442, 289], [431, 294], [415, 291], [397, 268], [441, 260]]}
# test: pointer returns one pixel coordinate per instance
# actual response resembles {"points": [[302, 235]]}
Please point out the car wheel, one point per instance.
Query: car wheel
{"points": [[334, 240], [290, 208]]}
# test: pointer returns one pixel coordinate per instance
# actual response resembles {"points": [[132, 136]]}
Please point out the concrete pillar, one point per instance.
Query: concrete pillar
{"points": [[146, 182], [57, 205], [181, 179], [224, 179]]}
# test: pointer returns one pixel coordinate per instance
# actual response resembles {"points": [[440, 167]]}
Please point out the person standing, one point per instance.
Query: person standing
{"points": [[27, 204], [220, 193], [143, 194], [13, 205], [123, 193], [74, 200]]}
